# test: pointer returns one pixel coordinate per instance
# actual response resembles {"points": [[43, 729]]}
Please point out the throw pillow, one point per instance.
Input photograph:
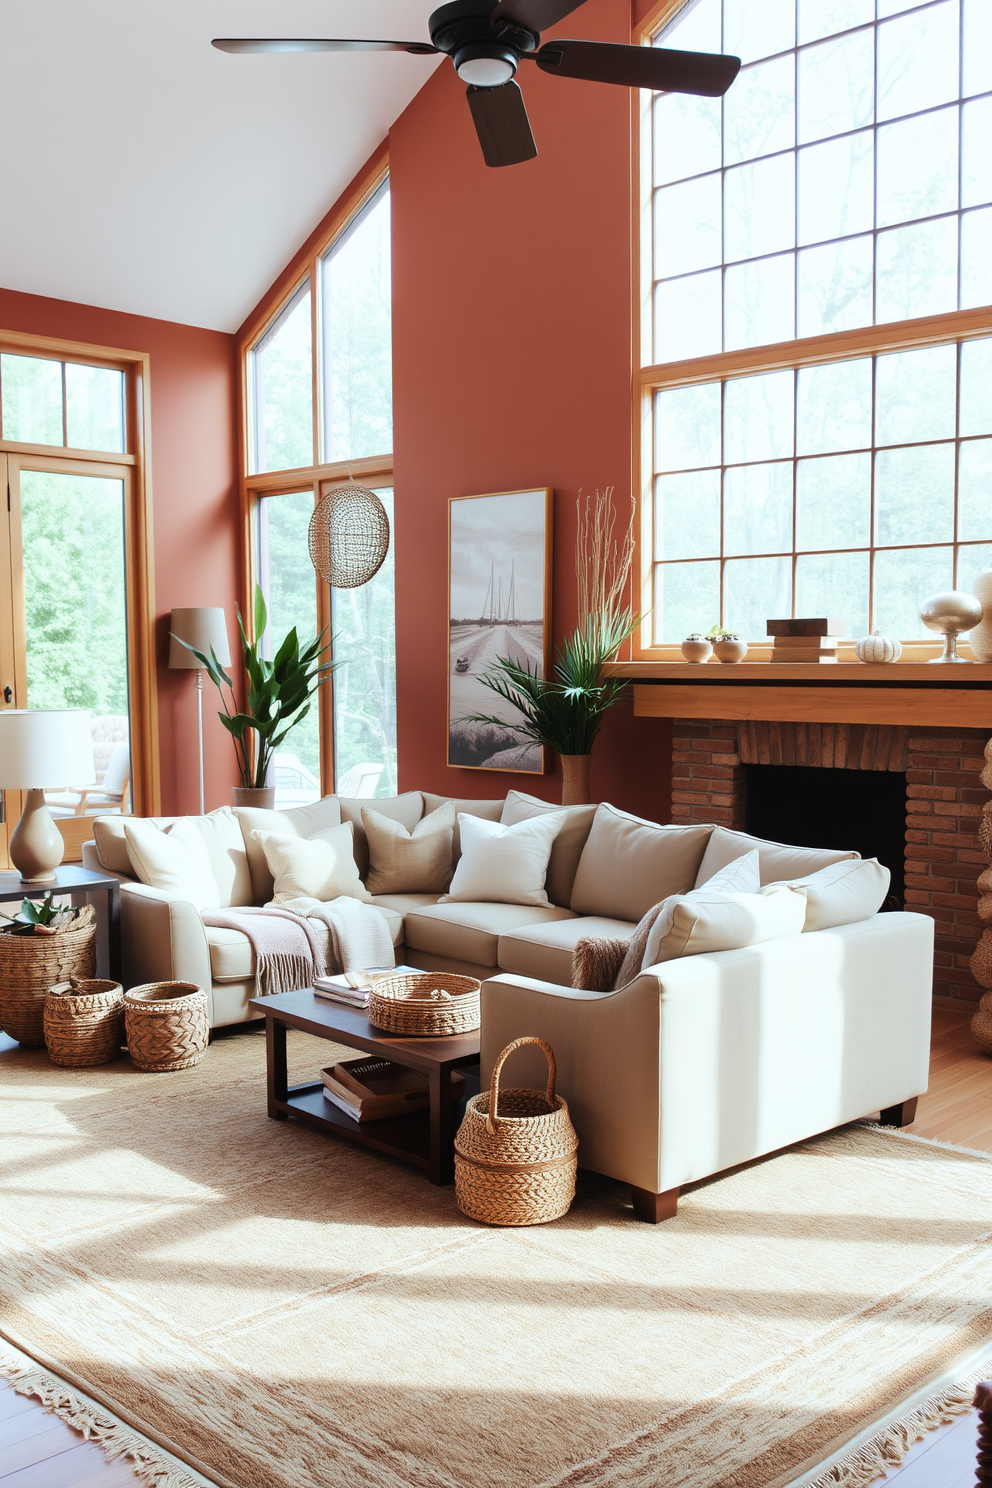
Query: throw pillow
{"points": [[405, 862], [503, 865], [297, 821], [725, 922], [408, 809], [843, 893], [628, 864], [175, 861], [318, 867], [567, 850], [780, 861], [739, 877], [596, 963]]}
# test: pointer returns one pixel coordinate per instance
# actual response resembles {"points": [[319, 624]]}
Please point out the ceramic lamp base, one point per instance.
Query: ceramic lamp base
{"points": [[36, 845]]}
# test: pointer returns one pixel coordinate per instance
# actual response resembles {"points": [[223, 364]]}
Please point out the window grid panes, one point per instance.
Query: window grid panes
{"points": [[62, 404], [844, 180], [356, 337], [852, 489], [280, 389]]}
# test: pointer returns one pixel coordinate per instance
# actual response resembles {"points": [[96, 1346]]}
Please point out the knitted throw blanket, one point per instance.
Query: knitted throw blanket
{"points": [[287, 947]]}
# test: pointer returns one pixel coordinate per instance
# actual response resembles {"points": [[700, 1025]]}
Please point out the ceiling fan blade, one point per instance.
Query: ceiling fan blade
{"points": [[501, 122], [535, 15], [247, 44], [705, 73]]}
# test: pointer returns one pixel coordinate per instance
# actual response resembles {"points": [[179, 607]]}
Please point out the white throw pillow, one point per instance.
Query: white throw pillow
{"points": [[742, 876], [503, 865], [319, 867], [702, 921], [843, 893], [175, 861], [739, 877]]}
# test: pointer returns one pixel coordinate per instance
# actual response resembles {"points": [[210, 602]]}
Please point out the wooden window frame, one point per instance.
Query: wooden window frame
{"points": [[134, 467], [953, 325]]}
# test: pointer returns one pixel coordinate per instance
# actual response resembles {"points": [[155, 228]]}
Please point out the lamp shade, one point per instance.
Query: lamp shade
{"points": [[202, 628], [41, 748]]}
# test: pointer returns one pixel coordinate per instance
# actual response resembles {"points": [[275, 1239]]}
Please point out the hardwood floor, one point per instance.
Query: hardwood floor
{"points": [[39, 1451]]}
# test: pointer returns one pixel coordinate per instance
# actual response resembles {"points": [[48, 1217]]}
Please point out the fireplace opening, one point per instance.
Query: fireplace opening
{"points": [[812, 807]]}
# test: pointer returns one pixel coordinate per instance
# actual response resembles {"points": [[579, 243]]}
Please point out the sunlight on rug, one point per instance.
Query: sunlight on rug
{"points": [[286, 1308]]}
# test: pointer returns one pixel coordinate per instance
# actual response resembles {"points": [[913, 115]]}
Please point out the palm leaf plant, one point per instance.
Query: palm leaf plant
{"points": [[278, 693], [564, 711]]}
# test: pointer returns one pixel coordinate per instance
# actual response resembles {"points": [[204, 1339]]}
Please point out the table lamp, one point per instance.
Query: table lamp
{"points": [[42, 748], [206, 629]]}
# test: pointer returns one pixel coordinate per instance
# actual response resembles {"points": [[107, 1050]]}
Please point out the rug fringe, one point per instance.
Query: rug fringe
{"points": [[881, 1453], [114, 1439]]}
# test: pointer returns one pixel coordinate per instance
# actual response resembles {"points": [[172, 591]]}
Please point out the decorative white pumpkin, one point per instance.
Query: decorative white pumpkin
{"points": [[877, 648]]}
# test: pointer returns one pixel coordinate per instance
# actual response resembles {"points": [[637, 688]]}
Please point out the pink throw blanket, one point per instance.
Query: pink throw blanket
{"points": [[287, 948]]}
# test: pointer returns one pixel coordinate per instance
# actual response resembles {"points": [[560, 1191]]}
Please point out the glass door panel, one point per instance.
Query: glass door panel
{"points": [[71, 536]]}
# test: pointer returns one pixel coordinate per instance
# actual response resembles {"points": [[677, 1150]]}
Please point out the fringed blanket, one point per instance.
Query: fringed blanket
{"points": [[287, 946]]}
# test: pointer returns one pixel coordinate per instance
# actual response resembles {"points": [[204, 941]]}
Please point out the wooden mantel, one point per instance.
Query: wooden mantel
{"points": [[924, 693]]}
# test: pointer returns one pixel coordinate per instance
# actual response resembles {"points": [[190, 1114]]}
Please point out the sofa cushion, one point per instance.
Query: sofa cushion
{"points": [[111, 844], [175, 860], [407, 809], [567, 847], [488, 810], [778, 861], [629, 864], [232, 958], [298, 821], [319, 867], [504, 865], [405, 861], [545, 951], [404, 903], [470, 932], [843, 893]]}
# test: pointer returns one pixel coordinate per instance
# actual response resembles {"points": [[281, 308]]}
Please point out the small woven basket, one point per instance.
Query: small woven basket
{"points": [[515, 1152], [426, 1004], [30, 964], [84, 1022], [166, 1025]]}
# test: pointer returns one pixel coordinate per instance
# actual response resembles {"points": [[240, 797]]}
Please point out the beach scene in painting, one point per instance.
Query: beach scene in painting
{"points": [[496, 608]]}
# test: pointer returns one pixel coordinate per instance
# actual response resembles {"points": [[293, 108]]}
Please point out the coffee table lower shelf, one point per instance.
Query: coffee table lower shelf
{"points": [[406, 1137]]}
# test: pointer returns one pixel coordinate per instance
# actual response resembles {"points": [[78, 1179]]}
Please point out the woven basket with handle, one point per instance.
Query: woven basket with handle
{"points": [[166, 1025], [30, 964], [427, 1004], [84, 1022], [515, 1151]]}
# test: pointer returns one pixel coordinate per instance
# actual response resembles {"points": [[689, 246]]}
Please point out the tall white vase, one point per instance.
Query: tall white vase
{"points": [[980, 638]]}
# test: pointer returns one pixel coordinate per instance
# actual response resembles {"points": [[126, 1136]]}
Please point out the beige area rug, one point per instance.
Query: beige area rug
{"points": [[291, 1311]]}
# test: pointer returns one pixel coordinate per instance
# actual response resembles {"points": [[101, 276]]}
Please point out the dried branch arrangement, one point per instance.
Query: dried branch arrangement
{"points": [[604, 556]]}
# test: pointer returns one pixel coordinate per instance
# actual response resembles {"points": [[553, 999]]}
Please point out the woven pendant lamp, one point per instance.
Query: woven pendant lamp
{"points": [[349, 536]]}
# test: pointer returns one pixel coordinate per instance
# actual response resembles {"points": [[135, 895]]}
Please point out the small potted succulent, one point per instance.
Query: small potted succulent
{"points": [[696, 647], [727, 644]]}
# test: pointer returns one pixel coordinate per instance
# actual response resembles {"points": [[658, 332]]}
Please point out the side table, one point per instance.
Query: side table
{"points": [[77, 884]]}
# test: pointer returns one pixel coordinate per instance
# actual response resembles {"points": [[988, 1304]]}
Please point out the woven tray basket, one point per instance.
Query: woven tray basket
{"points": [[30, 964], [84, 1022], [166, 1026], [427, 1004], [515, 1152]]}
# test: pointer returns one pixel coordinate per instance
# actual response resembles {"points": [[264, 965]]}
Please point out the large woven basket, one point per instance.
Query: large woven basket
{"points": [[515, 1152], [427, 1004], [30, 964], [166, 1025], [84, 1022]]}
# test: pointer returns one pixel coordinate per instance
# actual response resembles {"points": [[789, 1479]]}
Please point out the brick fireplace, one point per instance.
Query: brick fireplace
{"points": [[944, 801]]}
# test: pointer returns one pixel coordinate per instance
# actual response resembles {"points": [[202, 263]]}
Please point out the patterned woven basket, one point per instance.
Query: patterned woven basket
{"points": [[515, 1152], [84, 1022], [30, 964], [166, 1025], [427, 1004]]}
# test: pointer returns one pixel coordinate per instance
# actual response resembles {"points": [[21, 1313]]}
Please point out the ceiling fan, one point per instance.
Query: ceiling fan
{"points": [[488, 39]]}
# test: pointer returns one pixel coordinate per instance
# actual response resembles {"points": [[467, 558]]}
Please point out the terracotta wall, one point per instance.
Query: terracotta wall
{"points": [[194, 498], [512, 369]]}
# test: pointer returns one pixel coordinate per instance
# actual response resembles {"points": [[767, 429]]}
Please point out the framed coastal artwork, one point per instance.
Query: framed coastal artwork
{"points": [[499, 604]]}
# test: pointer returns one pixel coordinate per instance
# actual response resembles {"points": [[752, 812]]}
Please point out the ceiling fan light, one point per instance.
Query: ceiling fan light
{"points": [[485, 66]]}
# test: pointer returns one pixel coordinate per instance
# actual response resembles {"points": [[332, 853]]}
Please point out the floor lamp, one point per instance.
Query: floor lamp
{"points": [[206, 629]]}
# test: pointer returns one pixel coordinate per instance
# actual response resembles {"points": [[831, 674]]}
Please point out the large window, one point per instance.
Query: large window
{"points": [[841, 185], [319, 398]]}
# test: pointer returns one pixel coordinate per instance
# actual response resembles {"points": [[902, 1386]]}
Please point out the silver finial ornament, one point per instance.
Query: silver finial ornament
{"points": [[950, 613]]}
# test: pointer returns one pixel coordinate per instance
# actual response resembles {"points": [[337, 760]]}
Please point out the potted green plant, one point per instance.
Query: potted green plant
{"points": [[278, 696], [727, 644], [564, 712]]}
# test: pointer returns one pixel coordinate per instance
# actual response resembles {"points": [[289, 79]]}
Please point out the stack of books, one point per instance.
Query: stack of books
{"points": [[370, 1088], [813, 640], [352, 987]]}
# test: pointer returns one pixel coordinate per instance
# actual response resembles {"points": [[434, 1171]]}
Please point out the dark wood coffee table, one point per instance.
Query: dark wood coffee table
{"points": [[425, 1138]]}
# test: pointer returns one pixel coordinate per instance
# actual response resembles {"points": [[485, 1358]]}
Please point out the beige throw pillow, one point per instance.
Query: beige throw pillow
{"points": [[628, 864], [409, 862], [318, 867], [843, 893], [175, 861], [568, 845], [296, 821], [739, 877], [407, 809], [504, 865], [701, 922]]}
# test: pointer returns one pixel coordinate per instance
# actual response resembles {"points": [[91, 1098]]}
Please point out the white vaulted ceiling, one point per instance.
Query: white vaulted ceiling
{"points": [[145, 171]]}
